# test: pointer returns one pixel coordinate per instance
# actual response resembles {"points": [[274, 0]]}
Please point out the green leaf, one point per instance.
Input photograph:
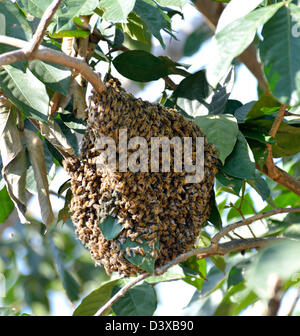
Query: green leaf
{"points": [[19, 86], [240, 163], [7, 205], [64, 17], [140, 66], [258, 109], [70, 285], [35, 7], [261, 186], [145, 262], [152, 16], [191, 92], [229, 182], [110, 227], [280, 54], [135, 28], [220, 130], [194, 41], [234, 39], [280, 259], [92, 302], [173, 273], [214, 216], [54, 76], [13, 24], [140, 300], [117, 10]]}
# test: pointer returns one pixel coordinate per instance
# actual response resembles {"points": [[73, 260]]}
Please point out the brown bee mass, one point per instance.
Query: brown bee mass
{"points": [[159, 208]]}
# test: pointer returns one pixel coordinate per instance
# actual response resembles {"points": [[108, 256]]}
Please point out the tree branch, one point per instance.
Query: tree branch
{"points": [[212, 12], [215, 248], [52, 56], [270, 169], [41, 29]]}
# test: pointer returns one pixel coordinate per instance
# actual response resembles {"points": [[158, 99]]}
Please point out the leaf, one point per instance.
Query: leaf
{"points": [[280, 259], [64, 17], [135, 28], [258, 108], [140, 300], [234, 39], [19, 86], [220, 130], [145, 262], [140, 66], [280, 55], [173, 273], [13, 159], [261, 186], [191, 92], [214, 216], [194, 41], [54, 76], [7, 206], [35, 7], [152, 17], [117, 10], [97, 298], [110, 227], [175, 3], [37, 158], [229, 181], [240, 163], [242, 112], [55, 136], [13, 24], [70, 285], [235, 10]]}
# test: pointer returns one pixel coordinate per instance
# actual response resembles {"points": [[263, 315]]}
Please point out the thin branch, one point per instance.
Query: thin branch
{"points": [[215, 248], [215, 240], [201, 253], [41, 29], [270, 169], [294, 303], [52, 56]]}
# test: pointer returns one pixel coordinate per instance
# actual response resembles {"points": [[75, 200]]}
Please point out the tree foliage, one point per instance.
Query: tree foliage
{"points": [[43, 115]]}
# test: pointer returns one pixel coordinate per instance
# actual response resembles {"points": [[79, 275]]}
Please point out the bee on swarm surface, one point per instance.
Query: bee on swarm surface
{"points": [[154, 214]]}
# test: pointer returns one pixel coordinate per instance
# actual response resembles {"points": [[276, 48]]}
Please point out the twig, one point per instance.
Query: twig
{"points": [[270, 169], [52, 56], [293, 306], [201, 253], [215, 240], [215, 248], [41, 29]]}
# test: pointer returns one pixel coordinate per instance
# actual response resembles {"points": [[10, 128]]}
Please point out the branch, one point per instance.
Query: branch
{"points": [[53, 56], [250, 220], [212, 12], [203, 252], [41, 29], [270, 169]]}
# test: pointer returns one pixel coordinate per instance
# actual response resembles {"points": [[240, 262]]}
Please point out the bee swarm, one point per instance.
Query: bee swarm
{"points": [[155, 207]]}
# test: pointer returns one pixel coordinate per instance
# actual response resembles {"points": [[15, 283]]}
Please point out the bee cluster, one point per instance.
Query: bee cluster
{"points": [[156, 208]]}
